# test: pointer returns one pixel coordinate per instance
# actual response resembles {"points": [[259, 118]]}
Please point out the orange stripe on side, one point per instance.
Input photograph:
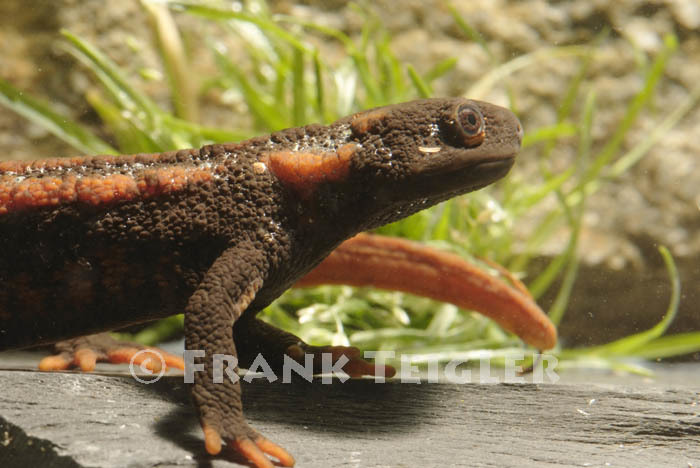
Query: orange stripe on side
{"points": [[304, 171], [37, 192]]}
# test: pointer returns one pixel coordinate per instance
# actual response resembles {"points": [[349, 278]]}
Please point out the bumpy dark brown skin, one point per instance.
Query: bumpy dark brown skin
{"points": [[97, 243]]}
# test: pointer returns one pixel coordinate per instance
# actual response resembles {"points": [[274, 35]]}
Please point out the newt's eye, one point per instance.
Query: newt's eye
{"points": [[470, 125]]}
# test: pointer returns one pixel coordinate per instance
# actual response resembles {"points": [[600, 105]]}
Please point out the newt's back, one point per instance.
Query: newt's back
{"points": [[88, 244]]}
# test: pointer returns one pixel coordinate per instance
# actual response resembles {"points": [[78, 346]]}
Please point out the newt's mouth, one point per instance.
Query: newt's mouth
{"points": [[488, 172], [443, 185]]}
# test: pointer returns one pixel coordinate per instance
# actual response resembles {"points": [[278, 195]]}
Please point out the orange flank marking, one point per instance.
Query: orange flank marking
{"points": [[18, 192], [398, 264], [365, 121], [303, 172]]}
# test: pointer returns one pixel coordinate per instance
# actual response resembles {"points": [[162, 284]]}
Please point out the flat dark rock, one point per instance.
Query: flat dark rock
{"points": [[94, 420]]}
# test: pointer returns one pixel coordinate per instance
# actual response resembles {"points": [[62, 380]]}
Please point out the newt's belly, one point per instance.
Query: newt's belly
{"points": [[48, 293]]}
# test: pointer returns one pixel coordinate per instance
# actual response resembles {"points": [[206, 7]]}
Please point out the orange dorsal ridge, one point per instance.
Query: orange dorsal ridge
{"points": [[53, 182]]}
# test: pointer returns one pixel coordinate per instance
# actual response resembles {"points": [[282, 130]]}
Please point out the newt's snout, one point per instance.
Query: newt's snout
{"points": [[476, 145]]}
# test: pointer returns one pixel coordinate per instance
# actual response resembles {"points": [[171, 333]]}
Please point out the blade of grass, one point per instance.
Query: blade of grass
{"points": [[201, 135], [550, 133], [640, 100], [421, 86], [267, 115], [110, 76], [298, 89], [633, 344], [669, 346], [131, 139], [219, 14], [570, 255], [635, 154], [526, 197], [320, 100], [440, 70], [468, 31], [41, 114], [160, 331], [183, 90], [481, 88]]}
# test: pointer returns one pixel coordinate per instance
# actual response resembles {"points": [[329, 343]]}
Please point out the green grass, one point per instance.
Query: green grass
{"points": [[285, 81]]}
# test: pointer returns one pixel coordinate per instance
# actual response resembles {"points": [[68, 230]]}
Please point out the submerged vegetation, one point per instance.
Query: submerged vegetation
{"points": [[287, 81]]}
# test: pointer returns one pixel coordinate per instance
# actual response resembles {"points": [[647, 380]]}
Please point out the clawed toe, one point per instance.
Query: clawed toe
{"points": [[254, 450]]}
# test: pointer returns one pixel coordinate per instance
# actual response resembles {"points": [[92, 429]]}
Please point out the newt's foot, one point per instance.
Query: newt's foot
{"points": [[249, 443], [355, 367], [255, 337], [84, 352]]}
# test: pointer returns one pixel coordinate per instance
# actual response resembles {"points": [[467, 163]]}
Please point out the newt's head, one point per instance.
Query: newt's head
{"points": [[419, 153], [383, 164]]}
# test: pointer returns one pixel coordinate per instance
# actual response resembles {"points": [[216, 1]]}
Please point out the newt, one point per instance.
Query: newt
{"points": [[96, 243]]}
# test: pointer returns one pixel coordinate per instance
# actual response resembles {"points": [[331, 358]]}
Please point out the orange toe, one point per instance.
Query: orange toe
{"points": [[85, 359], [53, 363], [276, 451], [148, 358], [212, 440], [153, 360], [121, 355], [174, 362], [248, 449]]}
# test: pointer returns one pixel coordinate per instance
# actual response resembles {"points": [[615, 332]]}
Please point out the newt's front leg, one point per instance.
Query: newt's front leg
{"points": [[223, 295]]}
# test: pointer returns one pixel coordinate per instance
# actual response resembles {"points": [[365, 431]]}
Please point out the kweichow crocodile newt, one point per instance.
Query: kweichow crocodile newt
{"points": [[95, 243]]}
